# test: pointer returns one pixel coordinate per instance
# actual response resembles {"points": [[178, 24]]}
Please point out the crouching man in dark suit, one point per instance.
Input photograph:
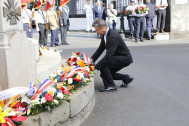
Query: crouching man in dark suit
{"points": [[117, 57]]}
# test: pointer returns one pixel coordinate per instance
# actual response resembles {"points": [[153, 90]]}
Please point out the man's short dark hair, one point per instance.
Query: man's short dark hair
{"points": [[99, 22]]}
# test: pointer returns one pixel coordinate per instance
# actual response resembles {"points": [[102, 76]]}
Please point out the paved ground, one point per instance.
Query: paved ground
{"points": [[159, 94]]}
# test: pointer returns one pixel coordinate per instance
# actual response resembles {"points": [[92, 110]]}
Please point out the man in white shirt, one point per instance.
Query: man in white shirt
{"points": [[26, 17], [40, 21], [131, 18], [88, 9], [161, 5], [140, 22]]}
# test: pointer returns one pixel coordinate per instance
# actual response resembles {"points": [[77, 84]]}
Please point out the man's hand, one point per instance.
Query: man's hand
{"points": [[61, 25], [91, 61]]}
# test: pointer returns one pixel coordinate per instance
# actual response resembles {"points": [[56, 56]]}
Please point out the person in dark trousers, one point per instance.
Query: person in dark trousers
{"points": [[40, 21], [116, 58], [161, 6], [149, 17], [99, 12], [140, 23], [63, 26], [131, 19]]}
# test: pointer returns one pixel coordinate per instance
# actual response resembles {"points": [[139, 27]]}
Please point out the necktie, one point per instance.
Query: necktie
{"points": [[99, 9], [44, 19]]}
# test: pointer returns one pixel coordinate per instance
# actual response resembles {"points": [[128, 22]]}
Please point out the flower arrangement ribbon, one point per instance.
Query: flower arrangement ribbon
{"points": [[44, 85], [73, 71], [85, 58]]}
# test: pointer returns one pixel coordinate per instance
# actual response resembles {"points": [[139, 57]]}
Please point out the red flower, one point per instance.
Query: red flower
{"points": [[18, 118], [69, 59], [48, 97], [78, 53], [74, 59], [8, 122]]}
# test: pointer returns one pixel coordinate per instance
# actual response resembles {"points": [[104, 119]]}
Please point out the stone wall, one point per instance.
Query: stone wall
{"points": [[179, 20]]}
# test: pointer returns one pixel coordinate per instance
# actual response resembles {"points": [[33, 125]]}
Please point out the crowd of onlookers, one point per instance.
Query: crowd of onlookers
{"points": [[44, 20], [137, 14], [136, 18]]}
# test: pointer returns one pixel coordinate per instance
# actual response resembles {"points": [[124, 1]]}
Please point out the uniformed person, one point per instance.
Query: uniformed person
{"points": [[40, 21], [26, 18], [131, 18], [53, 22]]}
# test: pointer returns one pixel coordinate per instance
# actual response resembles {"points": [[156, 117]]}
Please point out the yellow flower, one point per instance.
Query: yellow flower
{"points": [[2, 115], [59, 85], [78, 77], [51, 93], [81, 63]]}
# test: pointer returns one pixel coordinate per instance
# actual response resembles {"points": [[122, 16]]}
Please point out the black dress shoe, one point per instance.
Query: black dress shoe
{"points": [[56, 44], [108, 89], [136, 40], [141, 40], [126, 82], [67, 43], [63, 43]]}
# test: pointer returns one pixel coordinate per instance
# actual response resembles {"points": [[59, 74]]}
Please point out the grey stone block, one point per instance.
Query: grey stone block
{"points": [[81, 98], [80, 118], [59, 114], [17, 60], [48, 64]]}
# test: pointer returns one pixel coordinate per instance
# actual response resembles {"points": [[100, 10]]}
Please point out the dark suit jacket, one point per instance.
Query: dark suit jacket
{"points": [[99, 14], [63, 18], [115, 48]]}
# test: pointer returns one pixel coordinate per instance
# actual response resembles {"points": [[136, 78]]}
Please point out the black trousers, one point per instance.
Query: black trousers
{"points": [[161, 15], [108, 73], [43, 34], [140, 25]]}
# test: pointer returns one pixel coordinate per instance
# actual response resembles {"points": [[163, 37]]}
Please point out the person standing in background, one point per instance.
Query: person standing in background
{"points": [[140, 22], [112, 19], [99, 12], [53, 21], [26, 17], [88, 9], [161, 5], [149, 17], [40, 21], [67, 10], [63, 26], [131, 18]]}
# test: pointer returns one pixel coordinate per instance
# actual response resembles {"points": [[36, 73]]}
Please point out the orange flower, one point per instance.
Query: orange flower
{"points": [[70, 87], [81, 63], [92, 67], [59, 85]]}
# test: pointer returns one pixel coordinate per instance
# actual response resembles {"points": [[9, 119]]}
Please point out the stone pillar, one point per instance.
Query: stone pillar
{"points": [[17, 53], [179, 19]]}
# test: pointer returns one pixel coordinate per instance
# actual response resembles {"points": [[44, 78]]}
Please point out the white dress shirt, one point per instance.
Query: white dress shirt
{"points": [[26, 16], [161, 2], [105, 36], [39, 17], [88, 8]]}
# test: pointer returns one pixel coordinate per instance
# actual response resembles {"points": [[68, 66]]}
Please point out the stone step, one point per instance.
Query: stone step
{"points": [[161, 36], [47, 64]]}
